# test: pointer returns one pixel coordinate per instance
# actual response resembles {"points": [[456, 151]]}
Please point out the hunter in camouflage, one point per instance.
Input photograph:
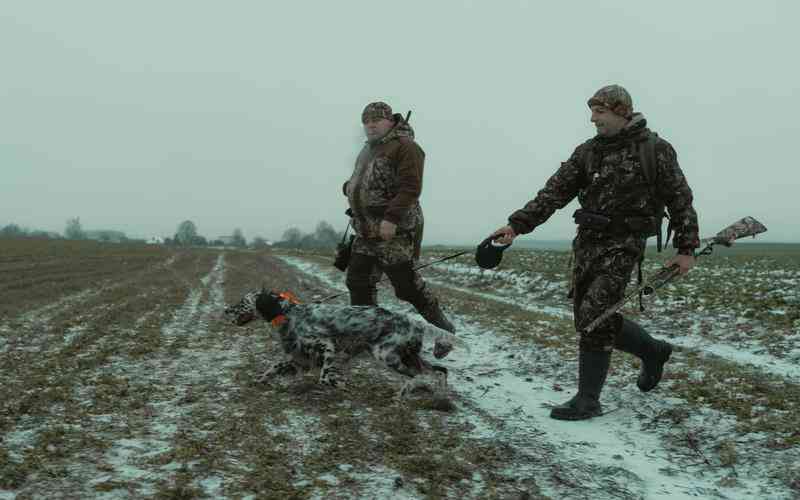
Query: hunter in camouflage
{"points": [[619, 210], [383, 193]]}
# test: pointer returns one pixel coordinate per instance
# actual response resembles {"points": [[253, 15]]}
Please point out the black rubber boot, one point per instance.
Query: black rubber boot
{"points": [[592, 371], [635, 340]]}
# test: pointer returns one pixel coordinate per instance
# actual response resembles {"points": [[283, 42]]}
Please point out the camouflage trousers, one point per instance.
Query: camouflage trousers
{"points": [[403, 247], [601, 275], [371, 259]]}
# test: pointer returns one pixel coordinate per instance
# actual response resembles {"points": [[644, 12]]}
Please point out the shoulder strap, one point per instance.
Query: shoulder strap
{"points": [[647, 156], [649, 162], [588, 161]]}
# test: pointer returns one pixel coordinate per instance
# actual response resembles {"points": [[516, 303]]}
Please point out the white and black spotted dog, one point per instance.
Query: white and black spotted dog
{"points": [[327, 335]]}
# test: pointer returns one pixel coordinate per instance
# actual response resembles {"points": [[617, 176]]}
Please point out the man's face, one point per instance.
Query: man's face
{"points": [[375, 128], [608, 124]]}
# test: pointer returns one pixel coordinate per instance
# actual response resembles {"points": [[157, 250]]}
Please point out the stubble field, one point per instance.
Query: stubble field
{"points": [[119, 379]]}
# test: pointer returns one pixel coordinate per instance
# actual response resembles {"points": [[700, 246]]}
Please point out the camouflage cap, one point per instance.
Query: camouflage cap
{"points": [[376, 110], [615, 98]]}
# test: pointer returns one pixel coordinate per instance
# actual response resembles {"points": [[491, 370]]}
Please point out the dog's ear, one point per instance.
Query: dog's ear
{"points": [[268, 305]]}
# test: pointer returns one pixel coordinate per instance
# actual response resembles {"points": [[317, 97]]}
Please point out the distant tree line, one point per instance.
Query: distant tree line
{"points": [[185, 235], [324, 236], [12, 231], [72, 231]]}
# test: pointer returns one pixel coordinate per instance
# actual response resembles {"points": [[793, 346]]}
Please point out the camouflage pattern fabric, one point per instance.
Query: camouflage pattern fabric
{"points": [[614, 184], [376, 111], [386, 184], [615, 98], [399, 249], [602, 270], [747, 226]]}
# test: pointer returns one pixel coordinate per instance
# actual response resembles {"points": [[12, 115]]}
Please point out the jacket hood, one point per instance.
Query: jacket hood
{"points": [[401, 129], [631, 132]]}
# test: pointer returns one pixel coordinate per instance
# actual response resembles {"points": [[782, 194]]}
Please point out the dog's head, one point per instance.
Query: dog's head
{"points": [[266, 304]]}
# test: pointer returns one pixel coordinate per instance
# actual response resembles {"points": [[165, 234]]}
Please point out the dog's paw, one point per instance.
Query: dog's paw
{"points": [[442, 348]]}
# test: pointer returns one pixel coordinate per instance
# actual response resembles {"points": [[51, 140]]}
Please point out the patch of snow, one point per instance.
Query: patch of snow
{"points": [[744, 353], [191, 319]]}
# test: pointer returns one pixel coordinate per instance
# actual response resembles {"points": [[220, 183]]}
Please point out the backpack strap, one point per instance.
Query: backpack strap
{"points": [[647, 155], [649, 162], [588, 161]]}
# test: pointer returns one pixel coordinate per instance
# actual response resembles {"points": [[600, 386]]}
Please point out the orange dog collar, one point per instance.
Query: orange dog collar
{"points": [[281, 318]]}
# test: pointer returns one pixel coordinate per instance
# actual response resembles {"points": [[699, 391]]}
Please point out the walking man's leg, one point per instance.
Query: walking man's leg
{"points": [[595, 292], [361, 279], [634, 339], [409, 286]]}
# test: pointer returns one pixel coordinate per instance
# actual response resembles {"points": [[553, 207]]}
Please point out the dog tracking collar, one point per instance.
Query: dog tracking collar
{"points": [[281, 318]]}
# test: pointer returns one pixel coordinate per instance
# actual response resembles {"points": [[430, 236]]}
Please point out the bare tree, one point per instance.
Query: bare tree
{"points": [[325, 235], [186, 233], [74, 230], [238, 238], [292, 236], [12, 231]]}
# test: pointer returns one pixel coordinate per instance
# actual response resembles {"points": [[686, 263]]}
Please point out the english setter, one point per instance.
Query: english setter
{"points": [[326, 335]]}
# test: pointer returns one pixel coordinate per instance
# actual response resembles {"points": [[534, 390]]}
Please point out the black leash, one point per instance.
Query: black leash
{"points": [[459, 254]]}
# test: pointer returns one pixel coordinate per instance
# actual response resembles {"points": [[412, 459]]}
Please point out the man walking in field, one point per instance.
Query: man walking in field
{"points": [[383, 194], [623, 178]]}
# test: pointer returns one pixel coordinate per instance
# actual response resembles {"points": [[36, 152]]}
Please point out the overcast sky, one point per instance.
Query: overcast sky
{"points": [[246, 114]]}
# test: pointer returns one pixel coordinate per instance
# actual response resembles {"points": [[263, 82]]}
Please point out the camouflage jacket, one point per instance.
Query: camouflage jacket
{"points": [[615, 184], [386, 183]]}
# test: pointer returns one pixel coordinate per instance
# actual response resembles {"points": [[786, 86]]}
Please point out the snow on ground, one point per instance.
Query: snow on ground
{"points": [[743, 352], [40, 317], [193, 366], [506, 396], [502, 389], [750, 353]]}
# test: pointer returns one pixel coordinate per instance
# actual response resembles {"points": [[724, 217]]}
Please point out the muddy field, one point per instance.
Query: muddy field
{"points": [[118, 379]]}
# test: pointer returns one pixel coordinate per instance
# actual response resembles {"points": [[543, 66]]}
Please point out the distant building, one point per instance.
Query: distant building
{"points": [[226, 240], [155, 240]]}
